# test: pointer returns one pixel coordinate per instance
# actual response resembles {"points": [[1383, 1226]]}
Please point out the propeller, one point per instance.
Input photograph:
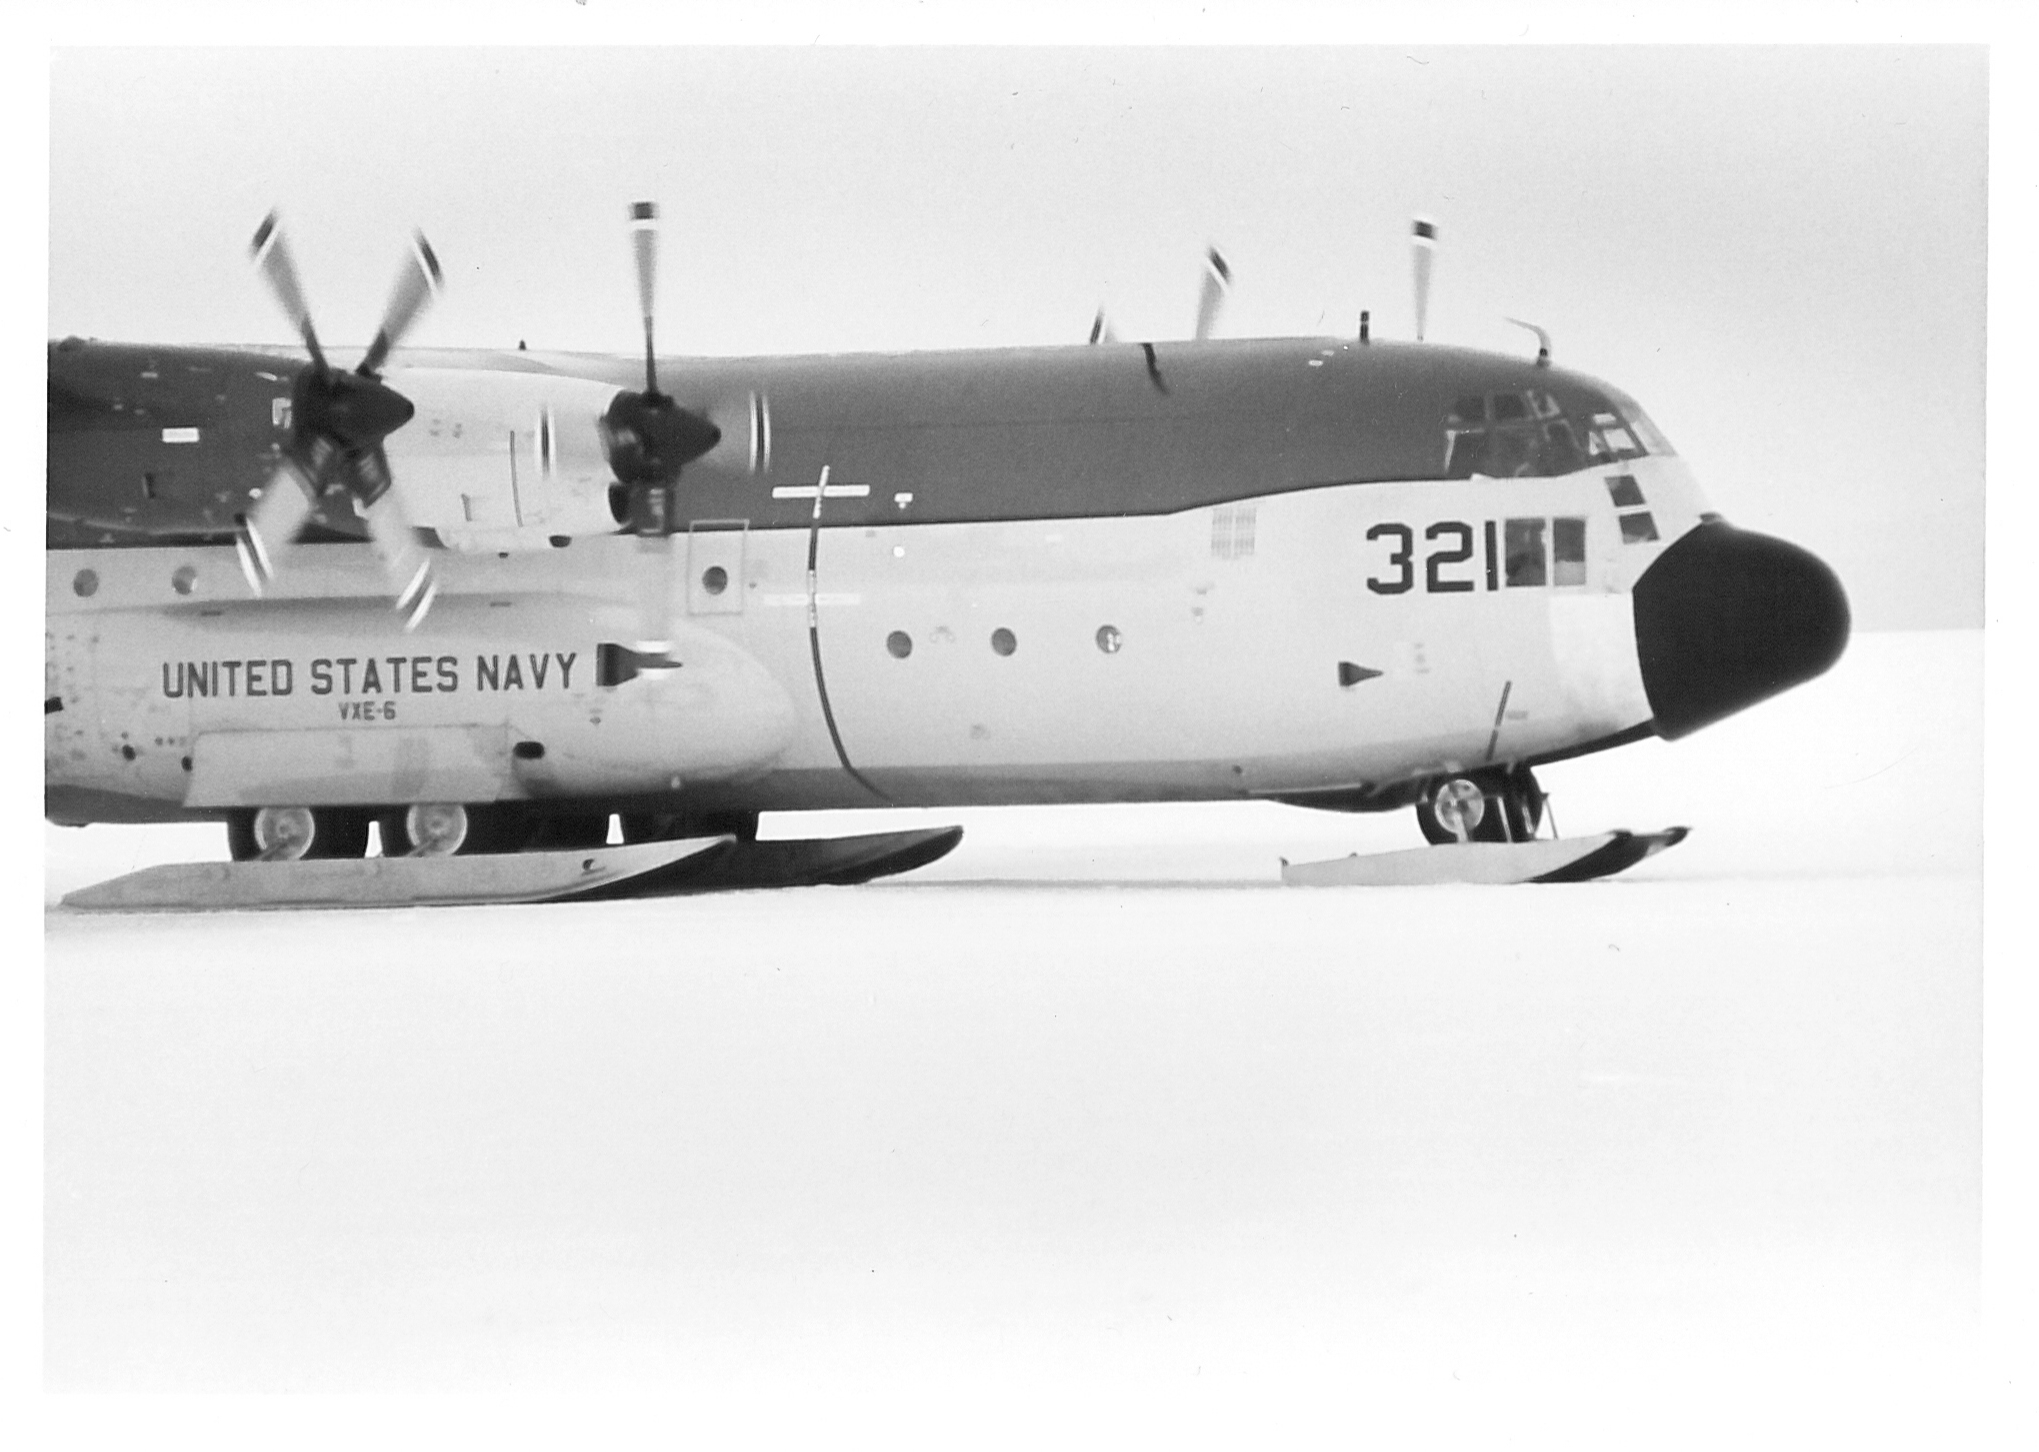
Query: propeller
{"points": [[650, 438], [1424, 240], [338, 421], [1217, 282]]}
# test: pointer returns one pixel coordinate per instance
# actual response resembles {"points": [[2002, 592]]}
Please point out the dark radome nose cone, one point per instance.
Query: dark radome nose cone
{"points": [[1725, 618]]}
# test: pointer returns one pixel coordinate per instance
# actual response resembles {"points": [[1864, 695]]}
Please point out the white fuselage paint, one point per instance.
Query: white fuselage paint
{"points": [[1231, 623]]}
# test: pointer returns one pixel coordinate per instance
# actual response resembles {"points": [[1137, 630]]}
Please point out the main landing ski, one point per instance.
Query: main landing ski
{"points": [[1549, 859], [594, 874]]}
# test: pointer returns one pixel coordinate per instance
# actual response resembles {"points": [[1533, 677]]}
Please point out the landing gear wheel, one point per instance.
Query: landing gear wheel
{"points": [[1481, 806], [1457, 809], [444, 829], [672, 826], [295, 834]]}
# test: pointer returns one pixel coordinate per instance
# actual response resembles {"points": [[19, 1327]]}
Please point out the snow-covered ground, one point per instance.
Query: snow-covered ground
{"points": [[1094, 1097]]}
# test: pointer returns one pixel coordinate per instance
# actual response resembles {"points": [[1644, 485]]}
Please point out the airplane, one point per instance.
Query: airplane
{"points": [[490, 600]]}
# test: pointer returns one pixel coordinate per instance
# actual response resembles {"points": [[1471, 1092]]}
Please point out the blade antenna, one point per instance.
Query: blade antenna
{"points": [[1542, 340]]}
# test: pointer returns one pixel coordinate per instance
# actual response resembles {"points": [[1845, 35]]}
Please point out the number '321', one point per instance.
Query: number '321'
{"points": [[1453, 545]]}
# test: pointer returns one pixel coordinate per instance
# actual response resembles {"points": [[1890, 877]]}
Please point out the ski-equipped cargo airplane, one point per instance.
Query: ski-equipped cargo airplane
{"points": [[490, 600]]}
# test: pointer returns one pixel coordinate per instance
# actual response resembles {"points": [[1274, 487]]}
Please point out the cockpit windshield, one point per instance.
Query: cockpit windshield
{"points": [[1529, 433]]}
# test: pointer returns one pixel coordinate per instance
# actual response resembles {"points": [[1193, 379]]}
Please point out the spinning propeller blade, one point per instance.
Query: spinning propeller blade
{"points": [[745, 427], [655, 599], [262, 538], [338, 423], [760, 433], [414, 584], [1217, 282], [644, 239], [416, 286], [272, 260], [1423, 234]]}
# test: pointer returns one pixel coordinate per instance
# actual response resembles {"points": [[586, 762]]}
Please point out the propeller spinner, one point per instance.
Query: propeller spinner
{"points": [[338, 422]]}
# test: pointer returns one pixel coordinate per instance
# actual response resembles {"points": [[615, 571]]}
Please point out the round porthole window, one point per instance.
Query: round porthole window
{"points": [[1003, 641], [86, 582], [715, 579], [1109, 640], [900, 644]]}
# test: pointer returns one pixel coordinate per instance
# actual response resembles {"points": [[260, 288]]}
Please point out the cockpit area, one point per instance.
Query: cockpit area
{"points": [[1530, 433]]}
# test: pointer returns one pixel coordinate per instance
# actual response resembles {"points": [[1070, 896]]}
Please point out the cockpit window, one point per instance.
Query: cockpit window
{"points": [[1611, 440], [1653, 440], [1529, 433]]}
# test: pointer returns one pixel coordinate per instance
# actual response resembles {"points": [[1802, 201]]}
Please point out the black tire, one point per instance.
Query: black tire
{"points": [[1506, 805], [336, 832], [1467, 798]]}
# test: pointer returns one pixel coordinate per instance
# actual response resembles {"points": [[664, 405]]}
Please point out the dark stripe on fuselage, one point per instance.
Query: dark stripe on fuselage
{"points": [[979, 436]]}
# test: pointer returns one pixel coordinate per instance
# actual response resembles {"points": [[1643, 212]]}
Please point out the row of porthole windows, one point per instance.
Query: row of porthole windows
{"points": [[1005, 642], [714, 581], [183, 580]]}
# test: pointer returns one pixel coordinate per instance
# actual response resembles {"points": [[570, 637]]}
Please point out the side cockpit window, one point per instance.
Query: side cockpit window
{"points": [[1530, 434], [1612, 441]]}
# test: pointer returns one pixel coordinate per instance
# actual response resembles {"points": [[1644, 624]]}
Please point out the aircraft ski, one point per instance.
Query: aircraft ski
{"points": [[503, 877], [820, 861], [596, 874], [1551, 859]]}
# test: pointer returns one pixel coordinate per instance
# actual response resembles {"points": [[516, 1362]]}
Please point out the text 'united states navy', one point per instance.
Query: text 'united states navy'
{"points": [[390, 675]]}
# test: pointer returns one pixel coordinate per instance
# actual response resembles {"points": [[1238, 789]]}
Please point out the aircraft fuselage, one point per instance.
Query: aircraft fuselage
{"points": [[1304, 569]]}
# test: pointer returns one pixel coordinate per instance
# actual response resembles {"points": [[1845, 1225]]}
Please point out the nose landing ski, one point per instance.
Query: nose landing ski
{"points": [[1560, 859]]}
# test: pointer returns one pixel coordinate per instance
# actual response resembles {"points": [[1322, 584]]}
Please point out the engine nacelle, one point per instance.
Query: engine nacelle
{"points": [[503, 461]]}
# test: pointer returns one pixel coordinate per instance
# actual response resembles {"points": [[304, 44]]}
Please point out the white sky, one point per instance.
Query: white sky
{"points": [[1780, 252]]}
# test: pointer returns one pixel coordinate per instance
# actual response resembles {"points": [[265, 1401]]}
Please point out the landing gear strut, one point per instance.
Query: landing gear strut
{"points": [[1497, 805]]}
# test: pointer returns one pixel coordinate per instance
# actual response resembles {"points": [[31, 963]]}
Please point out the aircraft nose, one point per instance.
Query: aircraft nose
{"points": [[1725, 618]]}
